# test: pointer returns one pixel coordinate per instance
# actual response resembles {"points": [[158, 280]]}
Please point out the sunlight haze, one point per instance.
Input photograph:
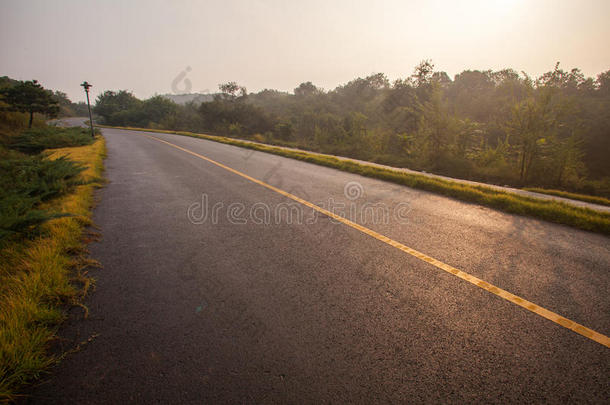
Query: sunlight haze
{"points": [[143, 46], [277, 201]]}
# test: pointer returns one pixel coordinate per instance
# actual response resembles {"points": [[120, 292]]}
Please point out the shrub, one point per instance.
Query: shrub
{"points": [[25, 181], [36, 140]]}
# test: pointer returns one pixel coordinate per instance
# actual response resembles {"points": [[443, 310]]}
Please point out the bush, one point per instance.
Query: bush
{"points": [[26, 181], [35, 140]]}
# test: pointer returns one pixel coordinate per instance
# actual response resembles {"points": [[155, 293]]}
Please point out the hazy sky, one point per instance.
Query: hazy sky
{"points": [[143, 46]]}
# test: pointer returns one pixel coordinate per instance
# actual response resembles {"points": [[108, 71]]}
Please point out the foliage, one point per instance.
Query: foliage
{"points": [[30, 97], [232, 90], [122, 108], [491, 126], [69, 109], [35, 140], [115, 107], [27, 181], [65, 107]]}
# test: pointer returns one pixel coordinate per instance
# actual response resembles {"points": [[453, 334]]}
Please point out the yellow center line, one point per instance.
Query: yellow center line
{"points": [[530, 306]]}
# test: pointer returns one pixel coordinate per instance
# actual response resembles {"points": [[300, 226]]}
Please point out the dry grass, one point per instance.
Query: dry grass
{"points": [[39, 277]]}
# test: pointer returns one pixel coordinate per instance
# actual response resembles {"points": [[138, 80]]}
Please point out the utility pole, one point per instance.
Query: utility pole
{"points": [[87, 86]]}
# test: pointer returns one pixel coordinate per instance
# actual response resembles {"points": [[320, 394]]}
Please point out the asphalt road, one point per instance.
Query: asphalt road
{"points": [[222, 308]]}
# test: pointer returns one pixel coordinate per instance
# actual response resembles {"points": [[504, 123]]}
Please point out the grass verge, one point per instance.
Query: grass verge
{"points": [[40, 276], [573, 196], [548, 210]]}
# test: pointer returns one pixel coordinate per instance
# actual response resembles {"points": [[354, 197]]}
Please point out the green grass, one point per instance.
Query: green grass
{"points": [[25, 182], [548, 210], [40, 275], [573, 196], [35, 140]]}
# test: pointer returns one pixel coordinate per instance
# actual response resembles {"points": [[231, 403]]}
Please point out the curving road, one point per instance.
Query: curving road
{"points": [[217, 289]]}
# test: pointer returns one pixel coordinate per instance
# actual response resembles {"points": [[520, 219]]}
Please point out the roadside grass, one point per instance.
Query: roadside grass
{"points": [[574, 196], [41, 274], [26, 182], [548, 210]]}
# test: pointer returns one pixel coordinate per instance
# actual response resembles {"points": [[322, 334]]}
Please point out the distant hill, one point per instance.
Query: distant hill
{"points": [[197, 98]]}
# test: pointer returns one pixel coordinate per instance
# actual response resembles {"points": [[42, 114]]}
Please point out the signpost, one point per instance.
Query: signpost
{"points": [[87, 86]]}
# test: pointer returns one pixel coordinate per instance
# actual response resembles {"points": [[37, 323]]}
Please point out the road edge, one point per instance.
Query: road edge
{"points": [[50, 275], [548, 210]]}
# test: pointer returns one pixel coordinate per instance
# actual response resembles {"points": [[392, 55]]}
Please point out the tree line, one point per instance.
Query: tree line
{"points": [[501, 126]]}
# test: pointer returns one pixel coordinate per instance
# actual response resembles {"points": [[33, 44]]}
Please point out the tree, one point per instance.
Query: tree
{"points": [[568, 81], [532, 122], [471, 94], [158, 109], [442, 78], [603, 83], [422, 80], [437, 126], [356, 94], [378, 81], [567, 160], [6, 81], [65, 105], [30, 97], [232, 90], [110, 104], [423, 73], [306, 89]]}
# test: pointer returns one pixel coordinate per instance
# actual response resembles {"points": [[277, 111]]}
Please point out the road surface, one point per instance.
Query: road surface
{"points": [[217, 289], [78, 121]]}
